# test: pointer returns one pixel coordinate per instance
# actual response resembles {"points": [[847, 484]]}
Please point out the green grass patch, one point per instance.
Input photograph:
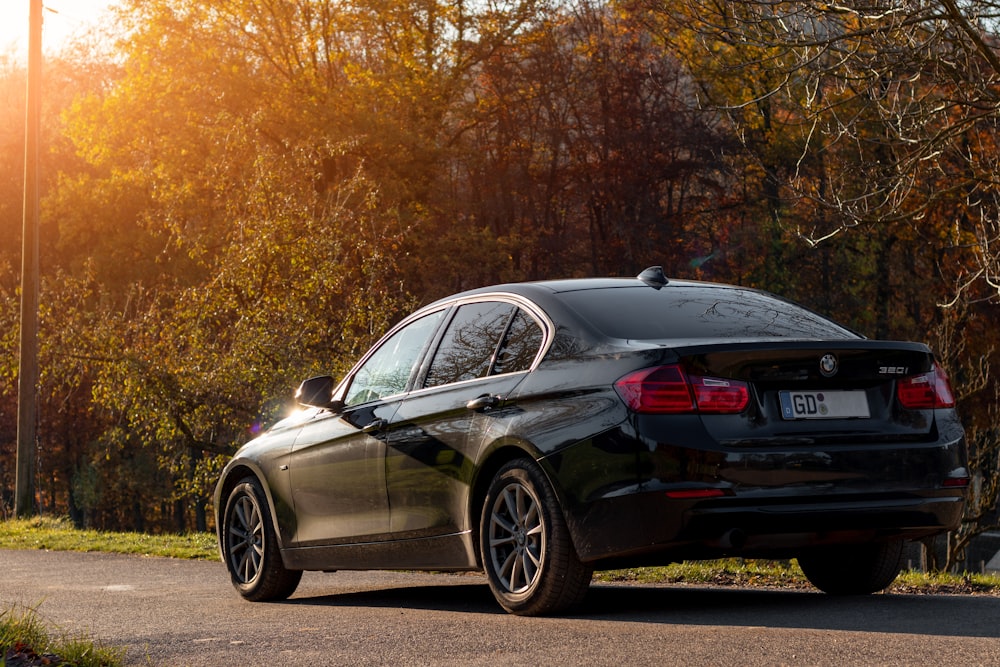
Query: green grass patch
{"points": [[725, 572], [944, 583], [786, 574], [23, 637], [60, 535]]}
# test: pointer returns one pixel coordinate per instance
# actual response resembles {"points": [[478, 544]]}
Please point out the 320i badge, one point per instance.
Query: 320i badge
{"points": [[540, 431]]}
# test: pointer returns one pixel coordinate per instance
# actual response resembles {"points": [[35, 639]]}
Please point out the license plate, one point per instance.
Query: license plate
{"points": [[824, 405]]}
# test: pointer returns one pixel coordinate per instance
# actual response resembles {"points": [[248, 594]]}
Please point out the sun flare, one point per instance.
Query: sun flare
{"points": [[62, 20]]}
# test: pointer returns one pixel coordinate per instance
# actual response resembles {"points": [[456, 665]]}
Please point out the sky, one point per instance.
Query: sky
{"points": [[61, 20]]}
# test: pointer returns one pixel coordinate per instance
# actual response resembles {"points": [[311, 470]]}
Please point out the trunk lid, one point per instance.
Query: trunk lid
{"points": [[808, 392]]}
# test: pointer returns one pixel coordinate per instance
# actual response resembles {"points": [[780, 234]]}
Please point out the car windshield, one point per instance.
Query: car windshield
{"points": [[683, 312]]}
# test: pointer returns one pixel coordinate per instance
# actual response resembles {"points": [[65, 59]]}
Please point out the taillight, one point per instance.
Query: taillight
{"points": [[925, 391], [720, 396], [664, 389], [669, 390]]}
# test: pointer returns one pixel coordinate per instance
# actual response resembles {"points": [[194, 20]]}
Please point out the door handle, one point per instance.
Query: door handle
{"points": [[483, 403], [375, 426]]}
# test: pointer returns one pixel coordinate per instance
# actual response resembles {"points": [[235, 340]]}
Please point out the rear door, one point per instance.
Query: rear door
{"points": [[485, 351]]}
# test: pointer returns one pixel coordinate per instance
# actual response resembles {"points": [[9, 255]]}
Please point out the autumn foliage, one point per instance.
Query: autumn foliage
{"points": [[239, 194]]}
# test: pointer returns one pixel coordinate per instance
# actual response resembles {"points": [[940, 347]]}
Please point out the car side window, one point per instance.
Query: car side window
{"points": [[388, 370], [520, 345], [469, 343]]}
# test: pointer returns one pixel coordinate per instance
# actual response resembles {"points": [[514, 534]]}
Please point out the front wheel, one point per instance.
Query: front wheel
{"points": [[530, 562], [250, 547], [855, 569]]}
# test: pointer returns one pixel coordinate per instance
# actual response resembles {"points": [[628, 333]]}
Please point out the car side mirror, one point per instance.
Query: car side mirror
{"points": [[317, 392]]}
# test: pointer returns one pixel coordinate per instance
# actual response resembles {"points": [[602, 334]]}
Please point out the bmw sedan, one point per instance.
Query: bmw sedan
{"points": [[540, 431]]}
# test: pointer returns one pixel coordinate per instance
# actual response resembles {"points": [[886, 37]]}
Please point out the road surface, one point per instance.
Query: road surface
{"points": [[180, 613]]}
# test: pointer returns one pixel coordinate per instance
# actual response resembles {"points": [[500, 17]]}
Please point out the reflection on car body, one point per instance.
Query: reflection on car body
{"points": [[539, 431]]}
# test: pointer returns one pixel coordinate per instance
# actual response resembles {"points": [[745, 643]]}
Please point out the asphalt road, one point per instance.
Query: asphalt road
{"points": [[176, 612]]}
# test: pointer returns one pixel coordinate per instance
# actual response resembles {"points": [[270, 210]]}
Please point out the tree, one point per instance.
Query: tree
{"points": [[888, 113], [903, 94], [584, 157], [209, 260]]}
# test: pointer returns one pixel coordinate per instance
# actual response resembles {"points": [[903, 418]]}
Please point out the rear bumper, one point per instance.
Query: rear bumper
{"points": [[782, 530], [652, 528], [772, 503]]}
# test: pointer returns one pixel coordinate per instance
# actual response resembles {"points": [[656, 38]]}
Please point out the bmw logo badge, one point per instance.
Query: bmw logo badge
{"points": [[828, 365]]}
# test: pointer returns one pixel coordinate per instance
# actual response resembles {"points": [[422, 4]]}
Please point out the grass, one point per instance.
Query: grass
{"points": [[23, 637], [728, 572], [786, 574], [60, 535]]}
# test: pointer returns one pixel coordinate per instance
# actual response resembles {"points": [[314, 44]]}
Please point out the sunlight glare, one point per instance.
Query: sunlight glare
{"points": [[62, 20]]}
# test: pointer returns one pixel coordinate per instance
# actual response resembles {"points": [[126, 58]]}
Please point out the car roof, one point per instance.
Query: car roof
{"points": [[692, 303], [542, 290]]}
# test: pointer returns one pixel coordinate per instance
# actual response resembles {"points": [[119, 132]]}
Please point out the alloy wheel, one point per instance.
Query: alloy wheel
{"points": [[516, 538]]}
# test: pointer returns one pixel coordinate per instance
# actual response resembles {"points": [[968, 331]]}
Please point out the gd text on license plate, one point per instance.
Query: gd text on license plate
{"points": [[824, 405]]}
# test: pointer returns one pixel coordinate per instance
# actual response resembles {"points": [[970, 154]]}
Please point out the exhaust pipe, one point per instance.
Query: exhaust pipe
{"points": [[734, 539]]}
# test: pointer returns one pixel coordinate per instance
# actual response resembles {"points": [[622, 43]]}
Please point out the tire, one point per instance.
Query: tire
{"points": [[530, 562], [250, 547], [857, 569]]}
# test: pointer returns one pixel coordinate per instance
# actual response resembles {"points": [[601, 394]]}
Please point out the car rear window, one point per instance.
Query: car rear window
{"points": [[693, 312]]}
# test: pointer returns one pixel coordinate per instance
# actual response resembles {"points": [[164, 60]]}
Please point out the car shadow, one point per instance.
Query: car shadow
{"points": [[936, 615], [465, 598]]}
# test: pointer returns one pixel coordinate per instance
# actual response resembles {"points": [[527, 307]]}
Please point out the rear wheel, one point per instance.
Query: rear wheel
{"points": [[530, 562], [857, 569], [250, 547]]}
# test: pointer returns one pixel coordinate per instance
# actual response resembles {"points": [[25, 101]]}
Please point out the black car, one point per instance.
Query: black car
{"points": [[540, 431]]}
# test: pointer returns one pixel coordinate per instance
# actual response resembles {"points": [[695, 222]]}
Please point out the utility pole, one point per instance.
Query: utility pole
{"points": [[24, 496]]}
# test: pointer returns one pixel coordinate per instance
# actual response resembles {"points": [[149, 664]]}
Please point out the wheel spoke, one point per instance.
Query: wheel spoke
{"points": [[530, 518], [507, 567], [241, 514], [529, 566], [519, 497], [256, 554], [516, 582], [510, 500], [244, 566], [501, 541], [532, 558], [237, 537], [502, 523]]}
